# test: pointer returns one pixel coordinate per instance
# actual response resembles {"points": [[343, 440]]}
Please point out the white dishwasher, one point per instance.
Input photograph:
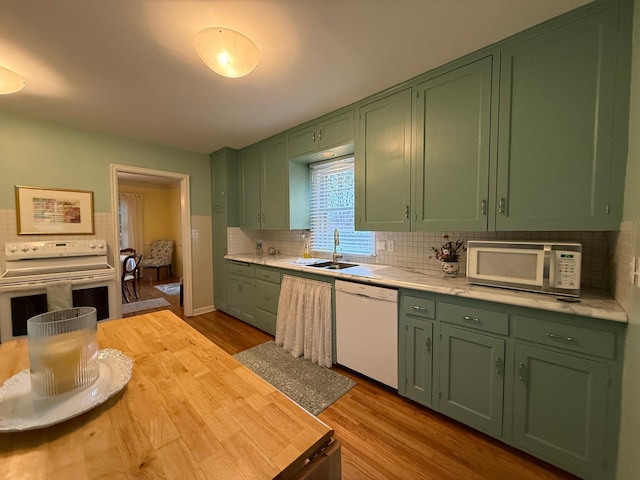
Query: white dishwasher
{"points": [[367, 330]]}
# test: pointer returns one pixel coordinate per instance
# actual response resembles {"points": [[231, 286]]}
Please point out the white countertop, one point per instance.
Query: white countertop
{"points": [[594, 303]]}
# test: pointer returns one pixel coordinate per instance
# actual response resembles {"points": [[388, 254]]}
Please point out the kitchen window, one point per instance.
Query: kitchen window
{"points": [[332, 206]]}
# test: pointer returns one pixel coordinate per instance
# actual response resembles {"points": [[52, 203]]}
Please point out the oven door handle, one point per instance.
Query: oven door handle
{"points": [[14, 287]]}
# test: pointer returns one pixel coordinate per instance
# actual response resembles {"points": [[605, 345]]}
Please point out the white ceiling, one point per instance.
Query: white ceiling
{"points": [[128, 67]]}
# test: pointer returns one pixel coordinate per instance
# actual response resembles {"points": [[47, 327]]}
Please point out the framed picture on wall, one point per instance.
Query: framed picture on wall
{"points": [[52, 211]]}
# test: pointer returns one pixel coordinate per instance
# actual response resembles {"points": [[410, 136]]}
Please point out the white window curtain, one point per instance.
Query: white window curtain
{"points": [[303, 325], [131, 217], [332, 206]]}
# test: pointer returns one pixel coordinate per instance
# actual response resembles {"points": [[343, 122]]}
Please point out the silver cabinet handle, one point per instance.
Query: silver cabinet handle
{"points": [[498, 365], [501, 206], [428, 344], [406, 211], [522, 373], [483, 207], [314, 137], [560, 337], [417, 307], [467, 318], [320, 135], [263, 217], [258, 218], [267, 298]]}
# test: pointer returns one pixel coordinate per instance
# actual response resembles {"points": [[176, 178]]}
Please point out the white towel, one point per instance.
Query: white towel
{"points": [[59, 295]]}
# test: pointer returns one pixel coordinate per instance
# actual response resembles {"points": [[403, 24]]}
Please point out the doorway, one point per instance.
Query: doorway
{"points": [[158, 177]]}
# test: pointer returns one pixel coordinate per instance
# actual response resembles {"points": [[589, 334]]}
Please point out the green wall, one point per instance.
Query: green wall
{"points": [[628, 454], [45, 154]]}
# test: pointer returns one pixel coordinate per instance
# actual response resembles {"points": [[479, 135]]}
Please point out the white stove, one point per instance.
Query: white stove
{"points": [[31, 266]]}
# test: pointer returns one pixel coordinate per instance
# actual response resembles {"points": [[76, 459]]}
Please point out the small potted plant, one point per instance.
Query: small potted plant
{"points": [[449, 255]]}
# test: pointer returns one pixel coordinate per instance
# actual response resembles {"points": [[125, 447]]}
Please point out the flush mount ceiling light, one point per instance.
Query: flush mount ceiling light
{"points": [[10, 82], [226, 51]]}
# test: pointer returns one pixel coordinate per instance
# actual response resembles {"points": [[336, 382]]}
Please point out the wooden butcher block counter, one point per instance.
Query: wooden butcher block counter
{"points": [[190, 410]]}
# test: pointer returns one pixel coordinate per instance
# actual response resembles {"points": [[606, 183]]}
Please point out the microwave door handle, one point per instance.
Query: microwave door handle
{"points": [[548, 274]]}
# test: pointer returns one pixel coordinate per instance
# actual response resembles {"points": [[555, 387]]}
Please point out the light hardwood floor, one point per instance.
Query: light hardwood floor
{"points": [[383, 435]]}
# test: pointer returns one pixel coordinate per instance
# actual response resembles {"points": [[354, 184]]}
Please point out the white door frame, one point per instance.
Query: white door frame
{"points": [[185, 214]]}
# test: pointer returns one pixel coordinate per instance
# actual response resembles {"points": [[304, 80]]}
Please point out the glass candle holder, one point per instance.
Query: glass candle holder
{"points": [[63, 351]]}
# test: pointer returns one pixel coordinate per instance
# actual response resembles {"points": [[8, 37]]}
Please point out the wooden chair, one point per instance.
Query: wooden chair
{"points": [[129, 251], [130, 266]]}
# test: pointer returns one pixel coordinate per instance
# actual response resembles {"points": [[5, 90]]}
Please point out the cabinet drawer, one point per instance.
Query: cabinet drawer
{"points": [[266, 321], [267, 275], [420, 307], [267, 296], [241, 268], [472, 317], [567, 337]]}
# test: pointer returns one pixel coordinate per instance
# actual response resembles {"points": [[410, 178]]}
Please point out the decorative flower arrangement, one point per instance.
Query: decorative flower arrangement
{"points": [[450, 251]]}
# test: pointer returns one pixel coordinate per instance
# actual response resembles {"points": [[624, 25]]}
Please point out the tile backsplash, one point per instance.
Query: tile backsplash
{"points": [[413, 249]]}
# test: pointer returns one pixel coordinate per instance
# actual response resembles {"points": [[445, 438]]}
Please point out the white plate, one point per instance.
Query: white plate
{"points": [[18, 411]]}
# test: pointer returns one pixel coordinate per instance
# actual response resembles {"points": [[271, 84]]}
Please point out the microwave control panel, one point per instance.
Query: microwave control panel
{"points": [[566, 269]]}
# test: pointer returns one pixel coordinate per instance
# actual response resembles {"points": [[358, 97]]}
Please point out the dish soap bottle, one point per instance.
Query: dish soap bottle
{"points": [[306, 253]]}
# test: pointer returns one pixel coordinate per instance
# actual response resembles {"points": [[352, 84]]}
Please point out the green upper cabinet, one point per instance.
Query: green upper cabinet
{"points": [[383, 163], [273, 190], [250, 180], [274, 184], [557, 98], [453, 119], [224, 170], [328, 132]]}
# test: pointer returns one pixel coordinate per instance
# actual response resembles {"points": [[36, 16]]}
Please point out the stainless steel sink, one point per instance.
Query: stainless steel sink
{"points": [[334, 265]]}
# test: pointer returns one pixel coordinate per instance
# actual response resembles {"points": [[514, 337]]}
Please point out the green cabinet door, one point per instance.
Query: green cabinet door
{"points": [[327, 132], [250, 214], [416, 359], [219, 181], [242, 297], [267, 294], [303, 141], [560, 409], [264, 186], [453, 118], [220, 295], [472, 378], [274, 186], [336, 130], [555, 128], [383, 164], [224, 213]]}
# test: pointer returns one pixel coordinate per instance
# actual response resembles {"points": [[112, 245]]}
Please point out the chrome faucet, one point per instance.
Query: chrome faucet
{"points": [[336, 241]]}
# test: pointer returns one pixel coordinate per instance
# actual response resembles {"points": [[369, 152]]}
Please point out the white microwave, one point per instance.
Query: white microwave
{"points": [[543, 267]]}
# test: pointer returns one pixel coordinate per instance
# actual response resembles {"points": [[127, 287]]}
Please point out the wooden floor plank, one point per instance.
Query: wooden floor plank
{"points": [[384, 435]]}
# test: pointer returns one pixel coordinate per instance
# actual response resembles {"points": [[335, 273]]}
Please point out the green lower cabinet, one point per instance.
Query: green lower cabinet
{"points": [[416, 359], [560, 409], [472, 378], [241, 297], [267, 294]]}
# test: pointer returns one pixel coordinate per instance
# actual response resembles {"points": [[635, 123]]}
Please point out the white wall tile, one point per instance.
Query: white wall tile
{"points": [[413, 249]]}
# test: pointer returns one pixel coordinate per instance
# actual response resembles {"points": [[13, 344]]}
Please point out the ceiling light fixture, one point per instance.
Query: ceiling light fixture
{"points": [[227, 52], [10, 82]]}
